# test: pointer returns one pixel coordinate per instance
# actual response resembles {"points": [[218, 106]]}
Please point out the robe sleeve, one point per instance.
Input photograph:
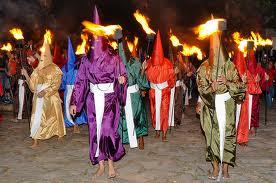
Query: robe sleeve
{"points": [[33, 81], [142, 81], [171, 75], [119, 89], [81, 87], [63, 80], [235, 86], [54, 83], [204, 88]]}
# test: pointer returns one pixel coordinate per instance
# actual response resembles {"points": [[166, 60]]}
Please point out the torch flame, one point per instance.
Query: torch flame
{"points": [[207, 29], [99, 30], [143, 20], [17, 33], [130, 46], [255, 37], [136, 39], [81, 47], [7, 47], [187, 50], [114, 45]]}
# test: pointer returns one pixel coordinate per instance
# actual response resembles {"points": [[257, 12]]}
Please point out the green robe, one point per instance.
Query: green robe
{"points": [[133, 67], [209, 123]]}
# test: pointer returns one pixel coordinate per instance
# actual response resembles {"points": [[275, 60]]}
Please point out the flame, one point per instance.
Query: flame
{"points": [[47, 39], [17, 33], [7, 47], [136, 39], [175, 41], [191, 50], [81, 47], [259, 41], [143, 20], [130, 46], [207, 29], [187, 50], [99, 30], [114, 45]]}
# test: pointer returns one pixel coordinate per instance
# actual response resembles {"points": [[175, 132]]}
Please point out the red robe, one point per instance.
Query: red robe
{"points": [[159, 74]]}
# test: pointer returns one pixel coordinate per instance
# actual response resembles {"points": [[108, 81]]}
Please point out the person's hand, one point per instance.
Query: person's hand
{"points": [[222, 80], [198, 107], [266, 77], [244, 78], [24, 72], [189, 74], [258, 78], [143, 93], [121, 80], [41, 94], [176, 70], [144, 65], [73, 110], [214, 86]]}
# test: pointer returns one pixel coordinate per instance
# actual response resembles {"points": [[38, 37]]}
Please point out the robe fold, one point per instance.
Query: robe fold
{"points": [[105, 142], [160, 74], [46, 119], [67, 85], [133, 67], [209, 122]]}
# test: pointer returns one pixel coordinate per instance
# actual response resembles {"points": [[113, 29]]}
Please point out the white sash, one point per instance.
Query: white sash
{"points": [[67, 103], [158, 97], [99, 91], [129, 117], [220, 100], [185, 88], [21, 97], [38, 111], [250, 109], [171, 108], [238, 113]]}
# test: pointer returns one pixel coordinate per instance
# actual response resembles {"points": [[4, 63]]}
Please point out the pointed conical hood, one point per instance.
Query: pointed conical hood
{"points": [[46, 56], [157, 54], [97, 44], [252, 63], [240, 63], [71, 56]]}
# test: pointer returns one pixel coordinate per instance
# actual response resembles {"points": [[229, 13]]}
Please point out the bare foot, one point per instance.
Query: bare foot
{"points": [[157, 134], [76, 129], [111, 170], [141, 143], [60, 139], [35, 144], [252, 132], [99, 172], [164, 139]]}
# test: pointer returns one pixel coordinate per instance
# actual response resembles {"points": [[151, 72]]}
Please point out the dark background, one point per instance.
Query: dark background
{"points": [[64, 17]]}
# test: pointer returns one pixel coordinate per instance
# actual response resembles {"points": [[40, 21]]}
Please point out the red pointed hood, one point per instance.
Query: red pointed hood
{"points": [[240, 62], [157, 56], [252, 63]]}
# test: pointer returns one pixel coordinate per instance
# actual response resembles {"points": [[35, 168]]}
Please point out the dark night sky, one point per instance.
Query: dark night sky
{"points": [[65, 16]]}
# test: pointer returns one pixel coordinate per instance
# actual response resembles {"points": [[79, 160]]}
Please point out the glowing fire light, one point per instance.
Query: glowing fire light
{"points": [[99, 30], [114, 45], [136, 39], [259, 41], [47, 39], [17, 33], [207, 29], [7, 47], [187, 50], [143, 20], [130, 46], [81, 47]]}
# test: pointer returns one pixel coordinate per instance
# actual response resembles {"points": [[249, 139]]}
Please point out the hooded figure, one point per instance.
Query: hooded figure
{"points": [[47, 118], [70, 71], [99, 87], [160, 74], [258, 76], [244, 110], [220, 87], [133, 118]]}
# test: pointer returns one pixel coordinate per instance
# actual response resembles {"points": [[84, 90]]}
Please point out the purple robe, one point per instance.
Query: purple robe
{"points": [[106, 69]]}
